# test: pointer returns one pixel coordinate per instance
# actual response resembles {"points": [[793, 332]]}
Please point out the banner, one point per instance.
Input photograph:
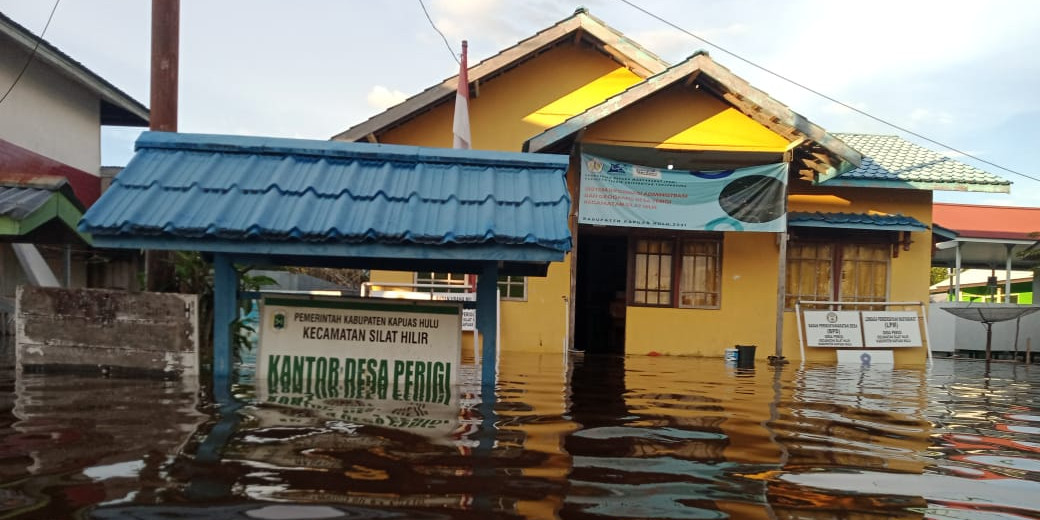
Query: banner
{"points": [[615, 193]]}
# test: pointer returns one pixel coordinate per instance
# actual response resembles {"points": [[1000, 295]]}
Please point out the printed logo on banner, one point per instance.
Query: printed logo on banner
{"points": [[594, 165]]}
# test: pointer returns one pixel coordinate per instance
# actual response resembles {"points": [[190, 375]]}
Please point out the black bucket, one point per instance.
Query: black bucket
{"points": [[745, 356]]}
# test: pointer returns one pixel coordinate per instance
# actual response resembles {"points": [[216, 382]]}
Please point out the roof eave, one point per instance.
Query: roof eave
{"points": [[916, 185]]}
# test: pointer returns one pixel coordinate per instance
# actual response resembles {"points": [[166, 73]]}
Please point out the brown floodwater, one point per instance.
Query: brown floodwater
{"points": [[588, 437]]}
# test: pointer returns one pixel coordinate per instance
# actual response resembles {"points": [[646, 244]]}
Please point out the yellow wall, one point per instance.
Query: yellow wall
{"points": [[746, 315], [522, 102], [908, 273], [563, 81], [509, 109], [685, 118]]}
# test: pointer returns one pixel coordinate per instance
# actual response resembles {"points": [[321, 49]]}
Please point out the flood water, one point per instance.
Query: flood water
{"points": [[595, 437]]}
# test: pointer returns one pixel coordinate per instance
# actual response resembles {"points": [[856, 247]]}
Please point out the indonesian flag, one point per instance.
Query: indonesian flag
{"points": [[460, 125]]}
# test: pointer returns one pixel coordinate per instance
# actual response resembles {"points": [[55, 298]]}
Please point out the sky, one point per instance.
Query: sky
{"points": [[962, 73]]}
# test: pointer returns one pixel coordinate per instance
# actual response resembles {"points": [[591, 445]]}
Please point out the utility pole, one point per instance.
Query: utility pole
{"points": [[163, 112]]}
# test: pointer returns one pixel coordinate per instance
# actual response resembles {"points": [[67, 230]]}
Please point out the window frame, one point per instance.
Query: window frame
{"points": [[511, 282], [460, 279], [838, 243], [675, 264]]}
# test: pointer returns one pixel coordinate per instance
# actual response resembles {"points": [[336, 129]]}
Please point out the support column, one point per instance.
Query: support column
{"points": [[957, 274], [1007, 275], [225, 304], [781, 295], [487, 322]]}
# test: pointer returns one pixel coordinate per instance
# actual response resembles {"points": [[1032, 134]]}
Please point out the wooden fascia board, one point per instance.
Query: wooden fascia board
{"points": [[632, 55], [782, 114], [78, 73]]}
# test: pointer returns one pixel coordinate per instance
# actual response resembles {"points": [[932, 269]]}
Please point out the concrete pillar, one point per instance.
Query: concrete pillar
{"points": [[487, 322]]}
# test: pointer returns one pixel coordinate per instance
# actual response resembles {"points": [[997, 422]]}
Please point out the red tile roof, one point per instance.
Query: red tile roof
{"points": [[977, 221]]}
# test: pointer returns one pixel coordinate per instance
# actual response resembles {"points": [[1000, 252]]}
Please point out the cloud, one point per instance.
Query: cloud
{"points": [[382, 98]]}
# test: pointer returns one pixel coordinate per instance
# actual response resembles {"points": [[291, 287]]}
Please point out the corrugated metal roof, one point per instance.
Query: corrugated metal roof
{"points": [[288, 190], [855, 221], [19, 203], [892, 158]]}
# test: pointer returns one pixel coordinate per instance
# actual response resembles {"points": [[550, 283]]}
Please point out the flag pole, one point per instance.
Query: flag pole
{"points": [[460, 123]]}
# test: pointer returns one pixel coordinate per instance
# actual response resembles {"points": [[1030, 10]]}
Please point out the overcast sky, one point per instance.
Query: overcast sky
{"points": [[964, 73]]}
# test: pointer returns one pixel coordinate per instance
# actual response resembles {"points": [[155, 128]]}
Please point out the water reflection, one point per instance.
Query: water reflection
{"points": [[593, 437]]}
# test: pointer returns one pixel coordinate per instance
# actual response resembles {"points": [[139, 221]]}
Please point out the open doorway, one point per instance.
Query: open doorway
{"points": [[599, 321]]}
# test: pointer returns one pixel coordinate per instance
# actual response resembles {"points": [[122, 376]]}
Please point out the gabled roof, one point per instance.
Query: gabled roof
{"points": [[891, 161], [39, 209], [827, 154], [333, 200], [117, 107], [579, 25]]}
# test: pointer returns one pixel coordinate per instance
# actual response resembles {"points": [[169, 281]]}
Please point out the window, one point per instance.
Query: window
{"points": [[697, 266], [441, 279], [512, 287], [836, 271]]}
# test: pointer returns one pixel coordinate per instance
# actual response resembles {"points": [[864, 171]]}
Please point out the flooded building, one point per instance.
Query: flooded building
{"points": [[788, 212]]}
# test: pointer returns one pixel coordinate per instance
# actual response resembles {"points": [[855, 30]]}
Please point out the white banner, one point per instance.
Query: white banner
{"points": [[891, 329], [833, 329]]}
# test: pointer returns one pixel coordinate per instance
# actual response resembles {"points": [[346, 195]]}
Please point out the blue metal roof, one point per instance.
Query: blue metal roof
{"points": [[855, 221], [268, 195]]}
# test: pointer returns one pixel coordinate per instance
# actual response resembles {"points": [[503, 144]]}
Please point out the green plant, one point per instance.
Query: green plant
{"points": [[193, 275]]}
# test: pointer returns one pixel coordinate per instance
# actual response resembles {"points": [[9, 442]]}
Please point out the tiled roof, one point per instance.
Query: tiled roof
{"points": [[265, 190], [855, 221], [892, 158]]}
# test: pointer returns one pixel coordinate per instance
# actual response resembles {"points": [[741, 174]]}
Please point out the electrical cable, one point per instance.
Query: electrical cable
{"points": [[33, 53], [825, 96], [445, 38]]}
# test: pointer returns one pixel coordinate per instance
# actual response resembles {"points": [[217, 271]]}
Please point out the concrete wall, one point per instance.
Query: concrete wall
{"points": [[950, 333], [154, 334], [48, 113]]}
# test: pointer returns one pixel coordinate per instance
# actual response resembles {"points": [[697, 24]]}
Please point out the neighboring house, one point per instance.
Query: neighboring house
{"points": [[860, 205], [50, 162], [981, 285], [996, 239]]}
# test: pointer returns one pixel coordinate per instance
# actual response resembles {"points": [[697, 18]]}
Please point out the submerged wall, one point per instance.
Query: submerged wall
{"points": [[114, 332]]}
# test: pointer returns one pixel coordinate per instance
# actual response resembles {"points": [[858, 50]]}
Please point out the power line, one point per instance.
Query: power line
{"points": [[825, 96], [448, 45], [33, 53]]}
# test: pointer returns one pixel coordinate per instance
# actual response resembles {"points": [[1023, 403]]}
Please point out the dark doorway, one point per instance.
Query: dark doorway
{"points": [[599, 321]]}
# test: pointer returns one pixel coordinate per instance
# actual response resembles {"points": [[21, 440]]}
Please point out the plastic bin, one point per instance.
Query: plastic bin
{"points": [[746, 356]]}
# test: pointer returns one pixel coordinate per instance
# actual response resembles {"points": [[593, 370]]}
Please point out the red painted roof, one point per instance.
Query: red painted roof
{"points": [[18, 164], [977, 221]]}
